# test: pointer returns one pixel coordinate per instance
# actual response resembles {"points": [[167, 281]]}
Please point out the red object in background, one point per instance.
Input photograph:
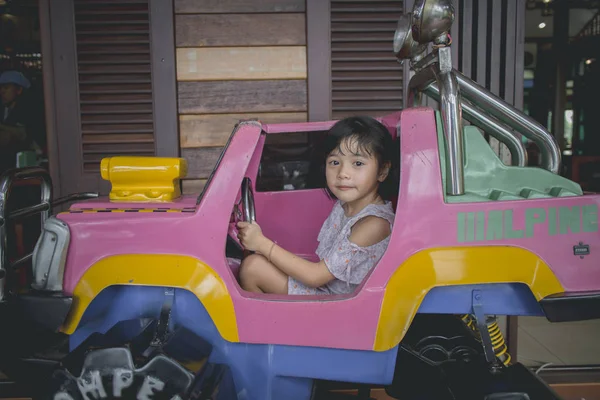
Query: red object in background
{"points": [[583, 171]]}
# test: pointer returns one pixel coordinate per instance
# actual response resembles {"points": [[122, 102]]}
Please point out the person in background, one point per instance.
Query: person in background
{"points": [[18, 124], [21, 129]]}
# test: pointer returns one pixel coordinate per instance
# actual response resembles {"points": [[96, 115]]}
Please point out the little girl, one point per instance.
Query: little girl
{"points": [[359, 154]]}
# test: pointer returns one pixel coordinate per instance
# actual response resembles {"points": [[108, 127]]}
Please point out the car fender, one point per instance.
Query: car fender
{"points": [[424, 270], [165, 270]]}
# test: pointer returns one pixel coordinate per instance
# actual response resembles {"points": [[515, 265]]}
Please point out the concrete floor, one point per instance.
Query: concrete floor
{"points": [[567, 343]]}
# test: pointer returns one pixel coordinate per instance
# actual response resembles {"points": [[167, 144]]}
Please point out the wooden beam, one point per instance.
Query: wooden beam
{"points": [[467, 37], [241, 63], [164, 87], [454, 33], [559, 48], [511, 44], [520, 54], [212, 130], [481, 35], [495, 49], [318, 20], [242, 96], [495, 60], [238, 6], [66, 99], [49, 101], [240, 30]]}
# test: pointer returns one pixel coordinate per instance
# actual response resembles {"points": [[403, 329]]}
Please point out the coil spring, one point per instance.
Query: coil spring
{"points": [[498, 342]]}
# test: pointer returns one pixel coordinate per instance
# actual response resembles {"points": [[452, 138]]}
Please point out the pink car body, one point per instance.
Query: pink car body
{"points": [[424, 222]]}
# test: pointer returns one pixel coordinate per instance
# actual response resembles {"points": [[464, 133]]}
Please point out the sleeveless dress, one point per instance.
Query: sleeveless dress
{"points": [[347, 261]]}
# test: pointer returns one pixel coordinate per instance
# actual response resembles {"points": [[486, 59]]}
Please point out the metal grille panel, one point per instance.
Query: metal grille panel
{"points": [[115, 82], [366, 78]]}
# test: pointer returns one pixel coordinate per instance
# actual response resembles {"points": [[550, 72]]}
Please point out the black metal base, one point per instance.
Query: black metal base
{"points": [[129, 346], [441, 359], [31, 327], [23, 339], [577, 306]]}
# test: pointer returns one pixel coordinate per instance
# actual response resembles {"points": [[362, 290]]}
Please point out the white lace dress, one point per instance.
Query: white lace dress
{"points": [[348, 262]]}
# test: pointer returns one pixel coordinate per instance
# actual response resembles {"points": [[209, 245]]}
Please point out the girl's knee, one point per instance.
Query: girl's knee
{"points": [[251, 263], [250, 268]]}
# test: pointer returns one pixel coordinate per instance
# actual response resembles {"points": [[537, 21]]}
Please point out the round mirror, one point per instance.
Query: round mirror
{"points": [[404, 45], [431, 18]]}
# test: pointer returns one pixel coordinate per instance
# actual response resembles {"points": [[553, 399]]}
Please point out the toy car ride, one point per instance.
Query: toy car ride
{"points": [[136, 294]]}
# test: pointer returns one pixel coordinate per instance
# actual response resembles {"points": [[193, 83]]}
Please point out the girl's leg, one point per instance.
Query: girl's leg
{"points": [[258, 275]]}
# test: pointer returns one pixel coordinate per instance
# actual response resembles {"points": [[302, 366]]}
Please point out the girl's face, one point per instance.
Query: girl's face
{"points": [[353, 174]]}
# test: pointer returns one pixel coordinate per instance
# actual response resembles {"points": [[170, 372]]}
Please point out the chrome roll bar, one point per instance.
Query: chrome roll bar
{"points": [[451, 121], [430, 23], [6, 181], [425, 82], [492, 114], [43, 208], [509, 115]]}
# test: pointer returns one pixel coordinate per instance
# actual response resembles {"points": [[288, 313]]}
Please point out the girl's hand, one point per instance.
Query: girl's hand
{"points": [[251, 236]]}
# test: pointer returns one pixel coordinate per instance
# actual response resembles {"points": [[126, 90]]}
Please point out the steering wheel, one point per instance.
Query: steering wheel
{"points": [[248, 212], [248, 201]]}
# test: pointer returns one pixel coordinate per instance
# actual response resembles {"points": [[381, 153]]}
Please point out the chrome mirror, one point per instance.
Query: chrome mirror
{"points": [[404, 45], [431, 18]]}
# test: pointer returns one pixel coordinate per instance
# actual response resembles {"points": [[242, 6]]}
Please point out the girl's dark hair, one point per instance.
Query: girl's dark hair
{"points": [[372, 137]]}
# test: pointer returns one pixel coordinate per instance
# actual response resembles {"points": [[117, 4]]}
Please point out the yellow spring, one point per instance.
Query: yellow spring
{"points": [[498, 342]]}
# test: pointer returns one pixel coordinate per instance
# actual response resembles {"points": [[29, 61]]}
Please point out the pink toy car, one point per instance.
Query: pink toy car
{"points": [[137, 293]]}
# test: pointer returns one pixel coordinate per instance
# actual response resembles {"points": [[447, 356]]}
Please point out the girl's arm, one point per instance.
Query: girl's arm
{"points": [[309, 273], [364, 233]]}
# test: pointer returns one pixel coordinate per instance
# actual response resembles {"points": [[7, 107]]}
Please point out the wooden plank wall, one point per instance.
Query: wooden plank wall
{"points": [[236, 59]]}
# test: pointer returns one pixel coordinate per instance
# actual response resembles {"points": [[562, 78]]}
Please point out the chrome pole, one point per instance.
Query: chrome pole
{"points": [[424, 82], [6, 181], [518, 153], [551, 157], [451, 121]]}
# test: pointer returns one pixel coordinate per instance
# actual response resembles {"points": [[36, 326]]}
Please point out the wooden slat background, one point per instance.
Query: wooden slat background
{"points": [[242, 96], [198, 130], [240, 29], [238, 6], [236, 59], [241, 63]]}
